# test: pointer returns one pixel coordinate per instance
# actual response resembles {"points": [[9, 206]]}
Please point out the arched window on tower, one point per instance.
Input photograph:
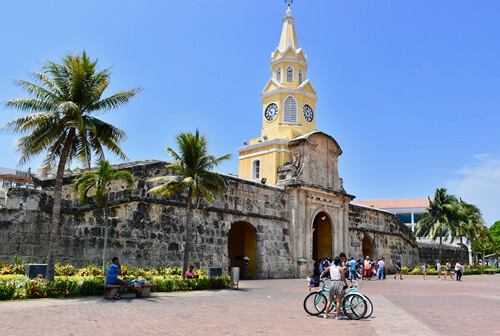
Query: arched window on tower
{"points": [[290, 110], [301, 76], [277, 75], [289, 74], [256, 170]]}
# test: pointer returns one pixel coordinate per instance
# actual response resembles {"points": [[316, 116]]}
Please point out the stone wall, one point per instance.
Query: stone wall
{"points": [[429, 253], [391, 237]]}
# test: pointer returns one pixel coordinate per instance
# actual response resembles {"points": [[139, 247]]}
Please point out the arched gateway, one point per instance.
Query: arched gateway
{"points": [[241, 244], [322, 238], [368, 247]]}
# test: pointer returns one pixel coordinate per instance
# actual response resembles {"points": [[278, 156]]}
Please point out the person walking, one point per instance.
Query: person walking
{"points": [[458, 270], [438, 267], [448, 270], [336, 286], [367, 268], [380, 270], [352, 265], [398, 270], [424, 270]]}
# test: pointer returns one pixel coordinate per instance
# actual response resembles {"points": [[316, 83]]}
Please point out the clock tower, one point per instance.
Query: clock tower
{"points": [[288, 109]]}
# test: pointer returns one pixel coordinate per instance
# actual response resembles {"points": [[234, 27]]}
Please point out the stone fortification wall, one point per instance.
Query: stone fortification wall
{"points": [[389, 236], [429, 253], [148, 230]]}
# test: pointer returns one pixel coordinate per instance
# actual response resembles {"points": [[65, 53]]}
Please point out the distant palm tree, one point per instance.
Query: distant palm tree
{"points": [[61, 122], [99, 182], [193, 166], [437, 217]]}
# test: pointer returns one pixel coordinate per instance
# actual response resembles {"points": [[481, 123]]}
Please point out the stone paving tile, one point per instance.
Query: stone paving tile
{"points": [[268, 307]]}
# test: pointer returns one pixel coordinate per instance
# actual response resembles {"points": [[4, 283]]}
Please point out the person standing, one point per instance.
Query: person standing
{"points": [[458, 270], [398, 270], [448, 270], [352, 265], [438, 266], [336, 286], [368, 268], [424, 270], [246, 271], [114, 270], [380, 270]]}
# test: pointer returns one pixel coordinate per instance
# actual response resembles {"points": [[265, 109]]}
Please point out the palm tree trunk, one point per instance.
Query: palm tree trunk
{"points": [[187, 244], [106, 215], [440, 241], [56, 208]]}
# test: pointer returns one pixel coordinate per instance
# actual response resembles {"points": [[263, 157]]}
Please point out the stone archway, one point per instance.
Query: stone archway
{"points": [[368, 247], [322, 239], [241, 243]]}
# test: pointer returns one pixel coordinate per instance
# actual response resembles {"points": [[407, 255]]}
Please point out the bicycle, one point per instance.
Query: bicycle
{"points": [[353, 304]]}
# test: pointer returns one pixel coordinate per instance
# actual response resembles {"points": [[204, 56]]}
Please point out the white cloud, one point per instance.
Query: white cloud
{"points": [[479, 184]]}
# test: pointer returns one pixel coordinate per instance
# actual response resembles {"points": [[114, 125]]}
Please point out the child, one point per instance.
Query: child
{"points": [[448, 270], [424, 270], [438, 266]]}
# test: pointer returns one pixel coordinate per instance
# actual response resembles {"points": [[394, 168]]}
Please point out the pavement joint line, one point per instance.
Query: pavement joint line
{"points": [[392, 320]]}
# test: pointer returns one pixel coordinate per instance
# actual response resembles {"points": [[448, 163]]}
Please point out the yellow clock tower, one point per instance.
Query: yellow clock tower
{"points": [[288, 109]]}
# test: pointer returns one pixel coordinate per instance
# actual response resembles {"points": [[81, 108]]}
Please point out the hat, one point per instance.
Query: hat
{"points": [[352, 258], [367, 257], [246, 258]]}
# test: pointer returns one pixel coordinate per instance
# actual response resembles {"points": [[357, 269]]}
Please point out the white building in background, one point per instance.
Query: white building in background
{"points": [[408, 210]]}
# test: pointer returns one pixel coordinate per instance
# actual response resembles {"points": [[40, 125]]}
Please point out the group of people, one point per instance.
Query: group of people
{"points": [[458, 270]]}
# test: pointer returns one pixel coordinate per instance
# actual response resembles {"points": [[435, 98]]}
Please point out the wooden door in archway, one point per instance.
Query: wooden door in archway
{"points": [[322, 238]]}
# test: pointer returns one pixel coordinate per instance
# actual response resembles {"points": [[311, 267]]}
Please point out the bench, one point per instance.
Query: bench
{"points": [[110, 290]]}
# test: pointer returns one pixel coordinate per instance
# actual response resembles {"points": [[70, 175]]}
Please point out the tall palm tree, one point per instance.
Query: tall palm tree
{"points": [[99, 181], [61, 122], [437, 217], [193, 166]]}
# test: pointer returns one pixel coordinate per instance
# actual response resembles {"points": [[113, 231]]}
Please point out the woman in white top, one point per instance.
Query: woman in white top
{"points": [[336, 286]]}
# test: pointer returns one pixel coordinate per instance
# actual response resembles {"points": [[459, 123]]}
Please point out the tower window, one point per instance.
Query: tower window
{"points": [[290, 110], [301, 76], [289, 74], [256, 169], [277, 75]]}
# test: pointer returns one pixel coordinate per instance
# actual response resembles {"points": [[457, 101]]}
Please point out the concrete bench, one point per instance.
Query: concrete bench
{"points": [[110, 290]]}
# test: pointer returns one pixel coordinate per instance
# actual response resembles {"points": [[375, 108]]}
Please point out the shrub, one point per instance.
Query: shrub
{"points": [[405, 269], [66, 270], [7, 290], [90, 286], [34, 288], [6, 269], [90, 270], [18, 269]]}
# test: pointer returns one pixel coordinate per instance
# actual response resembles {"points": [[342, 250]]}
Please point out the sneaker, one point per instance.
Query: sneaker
{"points": [[118, 296], [325, 316], [338, 318], [400, 278]]}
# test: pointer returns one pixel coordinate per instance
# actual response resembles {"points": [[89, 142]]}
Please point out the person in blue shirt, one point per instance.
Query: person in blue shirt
{"points": [[352, 266], [112, 277]]}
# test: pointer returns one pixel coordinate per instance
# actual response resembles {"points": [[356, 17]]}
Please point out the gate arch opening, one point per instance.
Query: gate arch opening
{"points": [[241, 243], [322, 239], [368, 247]]}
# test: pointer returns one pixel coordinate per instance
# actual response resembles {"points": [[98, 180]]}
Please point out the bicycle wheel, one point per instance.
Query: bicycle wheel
{"points": [[369, 307], [354, 306], [315, 303]]}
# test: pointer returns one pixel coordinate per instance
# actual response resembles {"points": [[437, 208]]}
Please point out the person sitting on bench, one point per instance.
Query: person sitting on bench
{"points": [[112, 277]]}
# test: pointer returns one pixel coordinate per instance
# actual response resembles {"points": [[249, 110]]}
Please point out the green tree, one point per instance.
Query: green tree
{"points": [[470, 224], [61, 122], [437, 217], [99, 182], [193, 167]]}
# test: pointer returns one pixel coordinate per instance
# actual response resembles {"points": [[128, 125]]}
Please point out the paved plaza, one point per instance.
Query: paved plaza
{"points": [[269, 307]]}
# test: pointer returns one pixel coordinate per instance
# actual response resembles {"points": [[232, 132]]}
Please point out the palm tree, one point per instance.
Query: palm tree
{"points": [[61, 122], [193, 166], [99, 181], [470, 224], [437, 217]]}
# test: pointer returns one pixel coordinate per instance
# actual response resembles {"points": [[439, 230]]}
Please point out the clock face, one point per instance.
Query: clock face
{"points": [[271, 112], [308, 113]]}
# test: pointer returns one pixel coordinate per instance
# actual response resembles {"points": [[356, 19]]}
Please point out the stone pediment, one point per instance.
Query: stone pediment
{"points": [[314, 161]]}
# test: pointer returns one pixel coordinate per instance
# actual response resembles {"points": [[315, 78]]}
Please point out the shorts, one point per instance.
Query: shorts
{"points": [[398, 271], [448, 270], [336, 287]]}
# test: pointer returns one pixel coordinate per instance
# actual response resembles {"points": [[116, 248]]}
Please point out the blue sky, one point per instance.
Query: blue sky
{"points": [[409, 89]]}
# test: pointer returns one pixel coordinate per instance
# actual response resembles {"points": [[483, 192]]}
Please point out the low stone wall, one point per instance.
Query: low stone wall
{"points": [[429, 253], [390, 237]]}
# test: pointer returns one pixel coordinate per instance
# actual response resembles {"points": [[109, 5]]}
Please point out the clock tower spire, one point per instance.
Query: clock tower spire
{"points": [[288, 108]]}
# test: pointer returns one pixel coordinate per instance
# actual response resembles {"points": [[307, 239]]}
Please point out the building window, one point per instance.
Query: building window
{"points": [[277, 75], [290, 110], [405, 218], [256, 170], [289, 74], [301, 76]]}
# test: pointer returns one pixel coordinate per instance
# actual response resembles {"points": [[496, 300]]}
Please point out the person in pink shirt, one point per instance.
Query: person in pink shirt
{"points": [[190, 274]]}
